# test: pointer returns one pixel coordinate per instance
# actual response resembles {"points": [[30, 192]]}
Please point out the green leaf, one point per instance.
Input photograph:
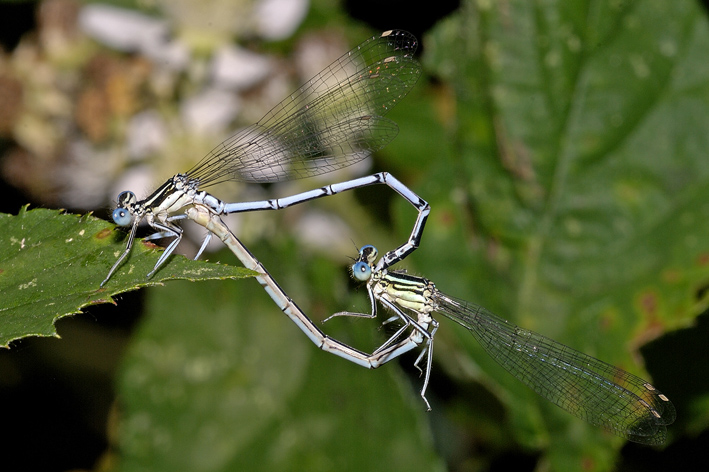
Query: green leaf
{"points": [[51, 265], [580, 180]]}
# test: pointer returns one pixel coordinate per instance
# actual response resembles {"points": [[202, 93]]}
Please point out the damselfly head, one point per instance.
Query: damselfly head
{"points": [[122, 214]]}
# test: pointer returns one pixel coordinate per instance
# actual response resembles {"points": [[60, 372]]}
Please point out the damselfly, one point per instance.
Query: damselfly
{"points": [[594, 391], [333, 121]]}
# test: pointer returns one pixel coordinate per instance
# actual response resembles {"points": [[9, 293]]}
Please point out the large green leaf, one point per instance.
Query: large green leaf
{"points": [[580, 177], [51, 265]]}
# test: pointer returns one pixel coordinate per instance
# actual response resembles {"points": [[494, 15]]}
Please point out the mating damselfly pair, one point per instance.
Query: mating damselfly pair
{"points": [[336, 119]]}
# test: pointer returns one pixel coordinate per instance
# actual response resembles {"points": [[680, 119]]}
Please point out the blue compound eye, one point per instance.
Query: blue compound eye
{"points": [[361, 271], [121, 217]]}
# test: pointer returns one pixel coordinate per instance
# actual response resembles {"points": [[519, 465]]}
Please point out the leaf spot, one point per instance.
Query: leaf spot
{"points": [[31, 283]]}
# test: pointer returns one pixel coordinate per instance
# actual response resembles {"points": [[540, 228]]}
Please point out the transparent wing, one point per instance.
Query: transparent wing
{"points": [[332, 121], [595, 391]]}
